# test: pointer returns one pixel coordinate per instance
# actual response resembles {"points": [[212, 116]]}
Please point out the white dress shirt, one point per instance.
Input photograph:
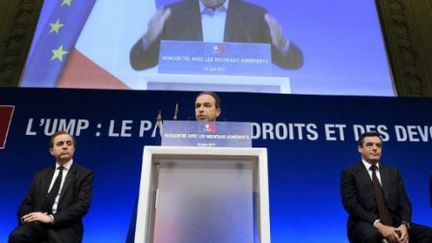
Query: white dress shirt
{"points": [[368, 165], [213, 22], [66, 166]]}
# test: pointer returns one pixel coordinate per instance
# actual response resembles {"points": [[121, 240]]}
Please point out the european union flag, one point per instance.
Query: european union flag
{"points": [[58, 39]]}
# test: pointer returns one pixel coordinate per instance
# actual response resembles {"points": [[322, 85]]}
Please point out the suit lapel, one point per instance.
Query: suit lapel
{"points": [[235, 27], [68, 181], [191, 14], [384, 173], [364, 174], [365, 179], [46, 181]]}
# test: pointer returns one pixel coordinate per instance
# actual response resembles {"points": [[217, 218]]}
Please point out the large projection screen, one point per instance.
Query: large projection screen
{"points": [[87, 44]]}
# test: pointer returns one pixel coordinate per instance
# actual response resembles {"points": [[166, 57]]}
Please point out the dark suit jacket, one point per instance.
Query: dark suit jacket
{"points": [[244, 23], [73, 204], [358, 196]]}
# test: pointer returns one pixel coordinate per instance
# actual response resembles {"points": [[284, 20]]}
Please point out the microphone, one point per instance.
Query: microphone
{"points": [[159, 116], [158, 124], [176, 110]]}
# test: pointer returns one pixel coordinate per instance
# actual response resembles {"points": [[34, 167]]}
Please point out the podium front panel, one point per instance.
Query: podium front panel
{"points": [[204, 201], [202, 195]]}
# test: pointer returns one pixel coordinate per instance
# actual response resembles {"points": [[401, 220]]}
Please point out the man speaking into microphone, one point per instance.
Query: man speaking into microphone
{"points": [[207, 106], [214, 21]]}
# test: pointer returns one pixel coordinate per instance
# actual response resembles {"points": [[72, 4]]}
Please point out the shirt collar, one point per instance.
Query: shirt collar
{"points": [[67, 165], [223, 7], [368, 165]]}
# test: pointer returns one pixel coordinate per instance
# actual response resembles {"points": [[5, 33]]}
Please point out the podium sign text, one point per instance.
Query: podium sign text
{"points": [[207, 134], [195, 57]]}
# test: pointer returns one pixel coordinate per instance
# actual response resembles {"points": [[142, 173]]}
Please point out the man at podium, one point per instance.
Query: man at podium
{"points": [[207, 106]]}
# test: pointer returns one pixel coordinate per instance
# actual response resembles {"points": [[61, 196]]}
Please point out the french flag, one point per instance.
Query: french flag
{"points": [[210, 127], [219, 49]]}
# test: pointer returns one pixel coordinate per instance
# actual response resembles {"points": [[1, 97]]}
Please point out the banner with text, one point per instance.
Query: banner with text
{"points": [[310, 139]]}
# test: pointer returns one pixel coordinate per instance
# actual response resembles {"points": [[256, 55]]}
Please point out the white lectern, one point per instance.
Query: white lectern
{"points": [[200, 194]]}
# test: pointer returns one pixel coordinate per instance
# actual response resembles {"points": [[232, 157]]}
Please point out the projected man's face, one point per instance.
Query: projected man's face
{"points": [[212, 3]]}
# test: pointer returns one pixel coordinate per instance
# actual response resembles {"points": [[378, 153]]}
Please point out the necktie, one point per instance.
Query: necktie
{"points": [[52, 194], [384, 214]]}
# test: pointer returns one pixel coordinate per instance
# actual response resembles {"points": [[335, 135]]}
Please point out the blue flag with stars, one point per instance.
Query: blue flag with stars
{"points": [[58, 39]]}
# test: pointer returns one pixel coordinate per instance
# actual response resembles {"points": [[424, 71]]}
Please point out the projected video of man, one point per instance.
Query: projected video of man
{"points": [[214, 21]]}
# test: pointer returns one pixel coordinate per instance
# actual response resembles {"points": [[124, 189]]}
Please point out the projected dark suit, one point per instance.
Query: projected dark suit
{"points": [[358, 200], [73, 204], [244, 23]]}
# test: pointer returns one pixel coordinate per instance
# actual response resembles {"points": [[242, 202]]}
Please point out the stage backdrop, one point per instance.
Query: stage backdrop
{"points": [[309, 140]]}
